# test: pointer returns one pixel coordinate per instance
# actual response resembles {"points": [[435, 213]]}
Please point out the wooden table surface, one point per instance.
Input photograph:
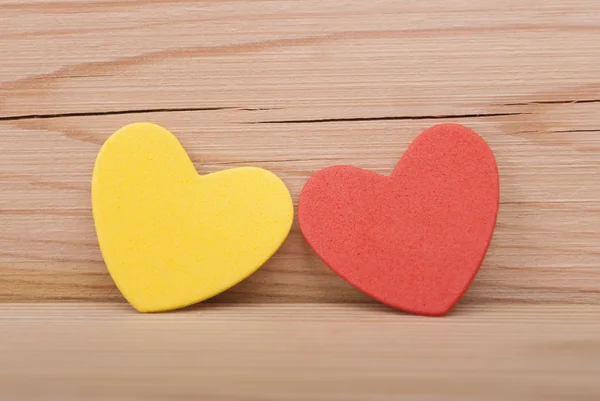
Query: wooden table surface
{"points": [[295, 86]]}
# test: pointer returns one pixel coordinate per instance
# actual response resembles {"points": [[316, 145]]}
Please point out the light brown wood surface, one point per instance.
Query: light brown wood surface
{"points": [[295, 86], [299, 352]]}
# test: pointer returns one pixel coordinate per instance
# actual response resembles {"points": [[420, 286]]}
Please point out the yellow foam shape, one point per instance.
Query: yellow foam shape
{"points": [[170, 237]]}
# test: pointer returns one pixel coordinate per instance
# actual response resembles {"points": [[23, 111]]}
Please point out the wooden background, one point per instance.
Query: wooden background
{"points": [[295, 86]]}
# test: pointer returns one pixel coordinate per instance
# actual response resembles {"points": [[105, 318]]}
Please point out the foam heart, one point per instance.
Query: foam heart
{"points": [[413, 240], [170, 237]]}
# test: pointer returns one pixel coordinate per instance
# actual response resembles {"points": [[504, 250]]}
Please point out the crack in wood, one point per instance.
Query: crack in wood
{"points": [[554, 102], [389, 118], [569, 131], [109, 113], [260, 108], [180, 110]]}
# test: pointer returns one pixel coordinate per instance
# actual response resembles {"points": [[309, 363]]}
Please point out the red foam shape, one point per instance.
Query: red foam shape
{"points": [[414, 240]]}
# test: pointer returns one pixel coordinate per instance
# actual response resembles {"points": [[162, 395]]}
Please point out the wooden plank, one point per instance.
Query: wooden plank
{"points": [[295, 86], [299, 352]]}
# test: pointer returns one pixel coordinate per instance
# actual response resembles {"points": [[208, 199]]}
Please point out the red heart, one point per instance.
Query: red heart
{"points": [[413, 240]]}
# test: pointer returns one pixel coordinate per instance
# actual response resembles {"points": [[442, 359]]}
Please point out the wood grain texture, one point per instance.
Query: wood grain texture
{"points": [[296, 86]]}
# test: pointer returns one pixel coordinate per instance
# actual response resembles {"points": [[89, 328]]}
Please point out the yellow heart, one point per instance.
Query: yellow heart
{"points": [[170, 237]]}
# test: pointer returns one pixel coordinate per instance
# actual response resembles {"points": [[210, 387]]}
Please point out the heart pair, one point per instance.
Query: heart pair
{"points": [[413, 240]]}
